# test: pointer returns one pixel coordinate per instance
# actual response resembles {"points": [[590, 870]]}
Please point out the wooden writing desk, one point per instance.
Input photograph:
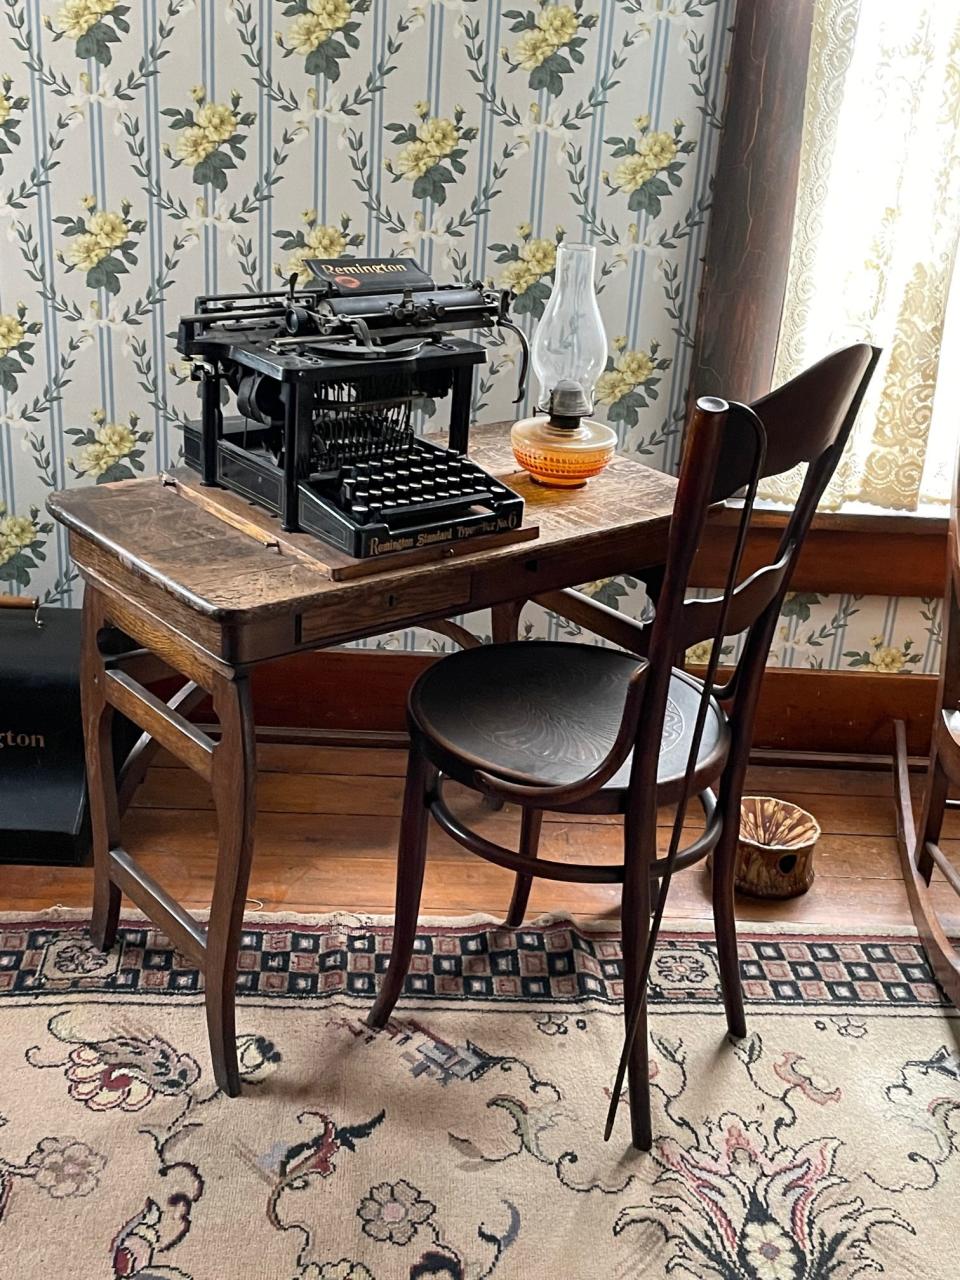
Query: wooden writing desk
{"points": [[209, 597]]}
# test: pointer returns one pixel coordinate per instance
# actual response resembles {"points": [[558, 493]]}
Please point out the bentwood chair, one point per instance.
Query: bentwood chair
{"points": [[919, 855], [576, 727]]}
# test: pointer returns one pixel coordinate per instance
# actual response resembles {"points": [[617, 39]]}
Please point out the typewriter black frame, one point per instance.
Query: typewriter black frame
{"points": [[230, 453]]}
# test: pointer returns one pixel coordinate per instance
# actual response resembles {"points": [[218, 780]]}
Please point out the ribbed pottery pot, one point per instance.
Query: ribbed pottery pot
{"points": [[775, 848]]}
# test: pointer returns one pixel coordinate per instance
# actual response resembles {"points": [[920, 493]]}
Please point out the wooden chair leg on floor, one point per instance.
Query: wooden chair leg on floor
{"points": [[234, 796], [724, 915], [635, 932], [411, 859], [531, 820], [931, 822], [101, 783], [939, 948]]}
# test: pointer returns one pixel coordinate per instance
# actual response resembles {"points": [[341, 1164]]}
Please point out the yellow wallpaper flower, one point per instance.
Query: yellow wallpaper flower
{"points": [[533, 49], [883, 658], [887, 658], [321, 32], [629, 370], [526, 268], [16, 532], [537, 259], [307, 33], [83, 21], [109, 229], [21, 545], [195, 144], [559, 23], [649, 165], [440, 136], [217, 120], [414, 160], [540, 254], [110, 450], [550, 41], [101, 243], [431, 152], [630, 381], [12, 333], [16, 346], [86, 251], [318, 240], [321, 242], [334, 13], [210, 138], [654, 152], [77, 17], [5, 108]]}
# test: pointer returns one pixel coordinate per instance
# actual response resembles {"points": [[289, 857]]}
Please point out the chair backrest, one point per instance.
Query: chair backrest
{"points": [[807, 420]]}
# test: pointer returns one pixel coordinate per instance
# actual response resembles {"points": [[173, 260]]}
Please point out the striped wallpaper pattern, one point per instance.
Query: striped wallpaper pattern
{"points": [[153, 150]]}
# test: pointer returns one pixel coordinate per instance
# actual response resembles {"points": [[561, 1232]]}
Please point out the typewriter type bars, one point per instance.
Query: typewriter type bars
{"points": [[327, 387], [348, 429]]}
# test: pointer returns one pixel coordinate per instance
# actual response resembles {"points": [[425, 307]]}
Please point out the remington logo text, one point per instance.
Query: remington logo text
{"points": [[10, 738], [365, 269]]}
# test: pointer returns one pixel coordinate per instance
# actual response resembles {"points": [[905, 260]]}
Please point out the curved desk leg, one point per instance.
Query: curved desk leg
{"points": [[229, 764], [101, 783], [233, 781], [505, 621]]}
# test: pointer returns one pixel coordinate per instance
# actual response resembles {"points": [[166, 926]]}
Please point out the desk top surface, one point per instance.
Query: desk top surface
{"points": [[156, 532]]}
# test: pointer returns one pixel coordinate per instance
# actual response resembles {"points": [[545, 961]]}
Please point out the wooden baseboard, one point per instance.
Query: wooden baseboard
{"points": [[839, 712]]}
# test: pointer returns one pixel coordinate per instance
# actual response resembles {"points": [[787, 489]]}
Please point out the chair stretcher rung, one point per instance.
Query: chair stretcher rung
{"points": [[946, 866]]}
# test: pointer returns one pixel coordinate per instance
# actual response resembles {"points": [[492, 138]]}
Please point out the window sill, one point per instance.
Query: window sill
{"points": [[770, 515], [882, 554]]}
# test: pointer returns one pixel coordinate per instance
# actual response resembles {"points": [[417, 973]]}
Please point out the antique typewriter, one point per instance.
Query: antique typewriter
{"points": [[327, 380]]}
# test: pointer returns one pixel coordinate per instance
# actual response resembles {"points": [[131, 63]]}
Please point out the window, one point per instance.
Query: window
{"points": [[875, 234]]}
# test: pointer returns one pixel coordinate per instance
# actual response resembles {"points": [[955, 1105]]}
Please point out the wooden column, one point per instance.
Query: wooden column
{"points": [[755, 190]]}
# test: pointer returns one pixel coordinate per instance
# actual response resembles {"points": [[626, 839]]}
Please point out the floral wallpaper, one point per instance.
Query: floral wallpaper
{"points": [[153, 151]]}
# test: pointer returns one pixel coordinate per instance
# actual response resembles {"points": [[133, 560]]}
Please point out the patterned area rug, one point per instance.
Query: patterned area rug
{"points": [[464, 1140]]}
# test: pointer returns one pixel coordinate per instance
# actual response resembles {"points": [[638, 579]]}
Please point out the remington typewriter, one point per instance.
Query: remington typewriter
{"points": [[327, 379]]}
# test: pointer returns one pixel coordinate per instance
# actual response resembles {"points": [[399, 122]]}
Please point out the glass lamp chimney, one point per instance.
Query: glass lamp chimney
{"points": [[570, 344]]}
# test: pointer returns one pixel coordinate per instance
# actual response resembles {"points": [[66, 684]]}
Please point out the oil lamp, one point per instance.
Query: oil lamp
{"points": [[561, 445]]}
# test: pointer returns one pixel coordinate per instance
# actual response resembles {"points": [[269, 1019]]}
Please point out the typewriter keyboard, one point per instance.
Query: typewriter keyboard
{"points": [[417, 483]]}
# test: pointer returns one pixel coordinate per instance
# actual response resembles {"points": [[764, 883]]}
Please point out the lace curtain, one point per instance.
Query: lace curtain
{"points": [[875, 233]]}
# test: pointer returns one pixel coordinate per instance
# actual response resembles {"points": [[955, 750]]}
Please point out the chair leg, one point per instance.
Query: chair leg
{"points": [[724, 919], [102, 788], [234, 797], [934, 806], [411, 859], [531, 821], [635, 929]]}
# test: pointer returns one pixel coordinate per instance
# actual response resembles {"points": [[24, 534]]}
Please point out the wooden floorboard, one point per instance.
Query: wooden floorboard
{"points": [[327, 830]]}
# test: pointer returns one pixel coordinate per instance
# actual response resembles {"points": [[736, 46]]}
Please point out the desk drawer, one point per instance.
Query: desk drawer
{"points": [[383, 607]]}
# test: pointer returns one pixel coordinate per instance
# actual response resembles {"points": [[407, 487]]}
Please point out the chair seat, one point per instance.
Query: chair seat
{"points": [[547, 713]]}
